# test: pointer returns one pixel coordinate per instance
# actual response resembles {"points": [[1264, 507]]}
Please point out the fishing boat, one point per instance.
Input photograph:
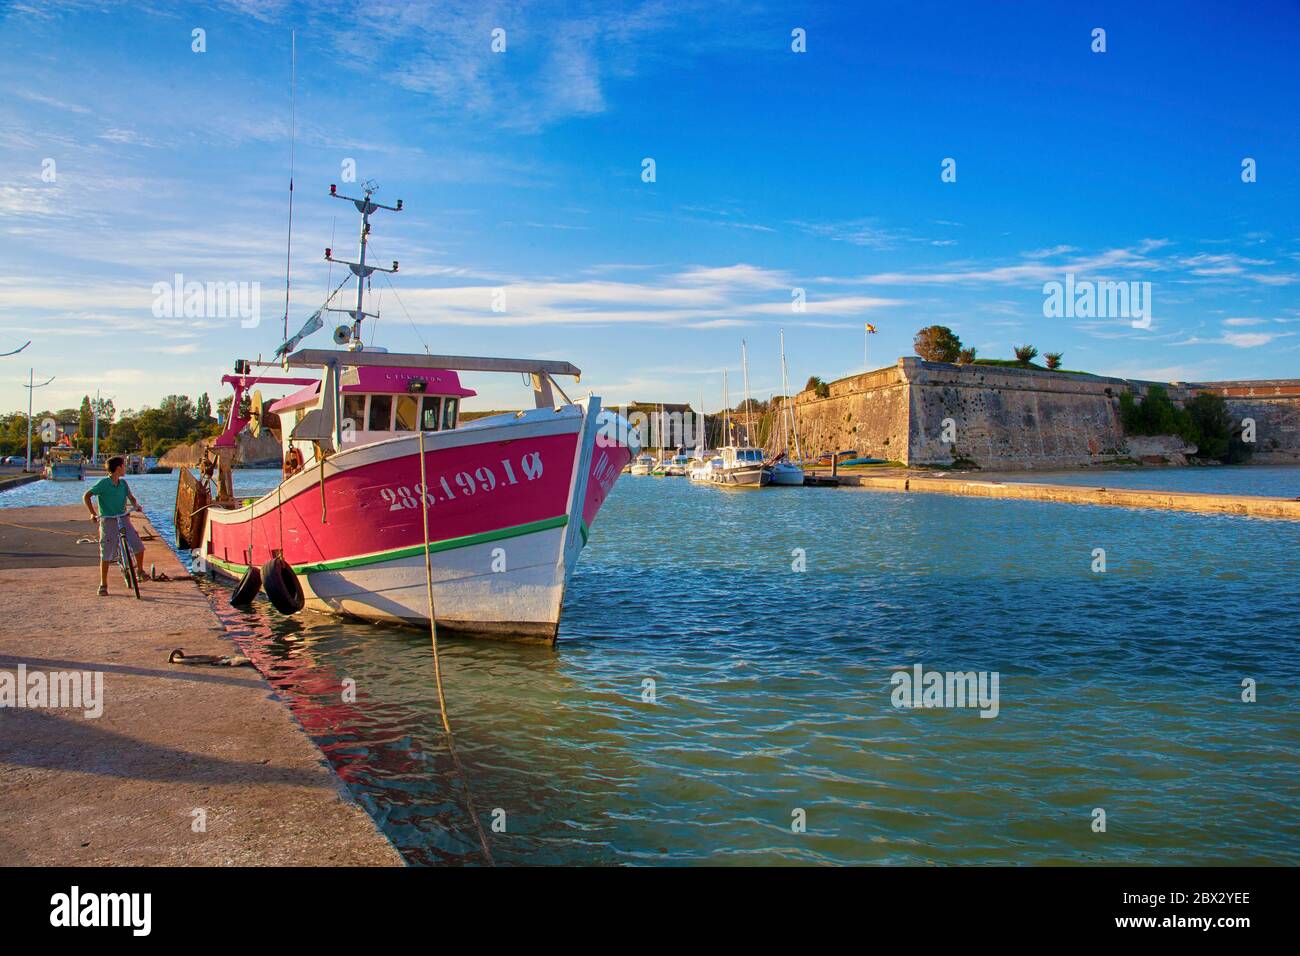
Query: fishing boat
{"points": [[642, 465], [373, 442], [64, 463]]}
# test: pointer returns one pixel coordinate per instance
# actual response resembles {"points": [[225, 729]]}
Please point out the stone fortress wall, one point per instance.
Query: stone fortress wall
{"points": [[1006, 418]]}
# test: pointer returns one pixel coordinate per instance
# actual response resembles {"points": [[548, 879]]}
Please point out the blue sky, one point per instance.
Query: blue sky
{"points": [[775, 170]]}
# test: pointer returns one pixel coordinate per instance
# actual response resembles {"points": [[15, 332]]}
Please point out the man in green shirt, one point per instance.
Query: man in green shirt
{"points": [[113, 494]]}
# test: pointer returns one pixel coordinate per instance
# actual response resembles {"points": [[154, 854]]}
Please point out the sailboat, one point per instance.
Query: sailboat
{"points": [[700, 467], [372, 440], [785, 471], [742, 466]]}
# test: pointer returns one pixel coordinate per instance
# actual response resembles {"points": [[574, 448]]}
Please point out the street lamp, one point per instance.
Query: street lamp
{"points": [[31, 388]]}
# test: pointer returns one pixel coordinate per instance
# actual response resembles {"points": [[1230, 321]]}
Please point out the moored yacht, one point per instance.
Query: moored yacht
{"points": [[742, 467], [786, 472], [642, 465]]}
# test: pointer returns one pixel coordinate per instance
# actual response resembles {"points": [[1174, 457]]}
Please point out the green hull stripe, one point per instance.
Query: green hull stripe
{"points": [[448, 544]]}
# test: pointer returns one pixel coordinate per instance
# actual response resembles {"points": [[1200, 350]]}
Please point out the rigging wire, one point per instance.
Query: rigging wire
{"points": [[293, 130], [408, 316]]}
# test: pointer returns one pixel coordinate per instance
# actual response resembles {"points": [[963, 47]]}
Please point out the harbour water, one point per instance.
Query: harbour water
{"points": [[771, 686]]}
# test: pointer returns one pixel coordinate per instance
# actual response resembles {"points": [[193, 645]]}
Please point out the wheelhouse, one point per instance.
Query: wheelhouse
{"points": [[732, 456], [378, 403]]}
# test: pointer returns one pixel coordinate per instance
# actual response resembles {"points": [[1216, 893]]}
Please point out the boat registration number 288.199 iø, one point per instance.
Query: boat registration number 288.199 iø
{"points": [[482, 478]]}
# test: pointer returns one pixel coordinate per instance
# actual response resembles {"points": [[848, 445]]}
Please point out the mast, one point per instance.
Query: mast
{"points": [[293, 127], [360, 269], [699, 439], [749, 408], [726, 411], [788, 407]]}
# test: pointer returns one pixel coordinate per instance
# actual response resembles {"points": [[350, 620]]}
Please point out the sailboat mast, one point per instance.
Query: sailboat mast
{"points": [[726, 411], [749, 409], [700, 440], [788, 407], [293, 128]]}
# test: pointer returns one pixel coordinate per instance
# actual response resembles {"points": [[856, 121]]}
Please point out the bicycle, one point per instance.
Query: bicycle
{"points": [[125, 559]]}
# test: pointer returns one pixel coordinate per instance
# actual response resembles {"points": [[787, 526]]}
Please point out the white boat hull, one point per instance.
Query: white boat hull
{"points": [[521, 601], [758, 476], [784, 473]]}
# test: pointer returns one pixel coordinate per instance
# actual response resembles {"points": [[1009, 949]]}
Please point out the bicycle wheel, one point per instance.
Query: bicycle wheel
{"points": [[124, 558]]}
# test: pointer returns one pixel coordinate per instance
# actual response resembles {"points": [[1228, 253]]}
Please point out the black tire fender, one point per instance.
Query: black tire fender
{"points": [[247, 588], [280, 582]]}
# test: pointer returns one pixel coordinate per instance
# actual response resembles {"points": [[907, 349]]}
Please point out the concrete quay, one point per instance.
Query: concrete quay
{"points": [[191, 766], [1255, 506]]}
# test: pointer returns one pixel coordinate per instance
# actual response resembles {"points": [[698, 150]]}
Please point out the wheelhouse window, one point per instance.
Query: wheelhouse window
{"points": [[406, 413], [381, 413], [354, 410], [449, 412], [429, 413]]}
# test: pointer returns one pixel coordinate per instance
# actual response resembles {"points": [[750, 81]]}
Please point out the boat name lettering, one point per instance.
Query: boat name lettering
{"points": [[461, 484]]}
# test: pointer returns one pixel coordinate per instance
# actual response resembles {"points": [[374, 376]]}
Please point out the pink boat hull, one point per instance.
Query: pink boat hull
{"points": [[510, 501]]}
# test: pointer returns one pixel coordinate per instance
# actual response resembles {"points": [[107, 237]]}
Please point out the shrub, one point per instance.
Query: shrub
{"points": [[1053, 360], [1210, 425], [1025, 353], [1203, 421], [966, 356], [937, 343]]}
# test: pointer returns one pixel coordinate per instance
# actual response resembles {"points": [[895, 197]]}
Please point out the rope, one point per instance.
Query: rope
{"points": [[74, 534], [437, 665]]}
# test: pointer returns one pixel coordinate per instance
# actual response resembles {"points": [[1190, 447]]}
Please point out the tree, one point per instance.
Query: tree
{"points": [[1053, 360], [1025, 353], [817, 387], [937, 343], [223, 408], [124, 438], [966, 356], [85, 417], [203, 409]]}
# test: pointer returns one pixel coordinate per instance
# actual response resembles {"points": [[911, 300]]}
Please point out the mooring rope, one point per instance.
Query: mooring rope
{"points": [[279, 511], [74, 534], [437, 666]]}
